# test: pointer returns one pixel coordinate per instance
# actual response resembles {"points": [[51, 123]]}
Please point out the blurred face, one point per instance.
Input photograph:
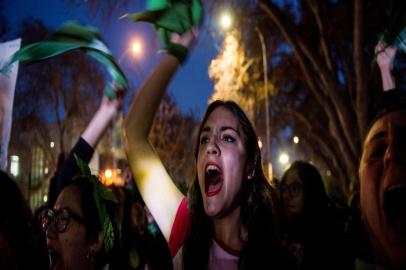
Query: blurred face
{"points": [[221, 163], [382, 174], [292, 196], [68, 249]]}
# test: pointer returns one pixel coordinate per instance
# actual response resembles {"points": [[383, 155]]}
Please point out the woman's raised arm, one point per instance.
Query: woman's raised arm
{"points": [[155, 185]]}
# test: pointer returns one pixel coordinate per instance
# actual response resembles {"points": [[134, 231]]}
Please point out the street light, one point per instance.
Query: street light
{"points": [[133, 52], [107, 177], [108, 173], [284, 158], [136, 47], [226, 21], [267, 118]]}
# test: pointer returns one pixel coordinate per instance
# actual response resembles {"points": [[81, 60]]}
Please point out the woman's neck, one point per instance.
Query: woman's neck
{"points": [[230, 231]]}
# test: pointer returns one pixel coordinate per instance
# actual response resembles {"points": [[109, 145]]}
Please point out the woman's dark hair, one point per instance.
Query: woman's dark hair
{"points": [[257, 209], [315, 197], [22, 249], [385, 102], [323, 244], [15, 226], [92, 219]]}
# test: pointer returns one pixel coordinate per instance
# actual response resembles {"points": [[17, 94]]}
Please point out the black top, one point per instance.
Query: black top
{"points": [[70, 168]]}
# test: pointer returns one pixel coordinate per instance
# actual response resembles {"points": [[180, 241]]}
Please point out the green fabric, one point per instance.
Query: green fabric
{"points": [[153, 229], [362, 265], [101, 195], [395, 28], [70, 37], [171, 17]]}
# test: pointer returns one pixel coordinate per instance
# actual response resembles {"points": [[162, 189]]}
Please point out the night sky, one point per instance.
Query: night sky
{"points": [[191, 87]]}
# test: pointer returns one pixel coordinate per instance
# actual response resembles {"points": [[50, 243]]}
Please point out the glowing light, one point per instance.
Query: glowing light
{"points": [[259, 143], [45, 198], [283, 158], [52, 144], [136, 47], [14, 166], [108, 173], [226, 21], [270, 171], [296, 139]]}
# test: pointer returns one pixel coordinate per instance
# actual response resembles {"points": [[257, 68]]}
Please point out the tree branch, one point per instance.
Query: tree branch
{"points": [[342, 120], [321, 137], [313, 5]]}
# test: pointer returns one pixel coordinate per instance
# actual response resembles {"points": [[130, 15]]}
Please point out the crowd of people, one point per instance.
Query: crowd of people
{"points": [[232, 216]]}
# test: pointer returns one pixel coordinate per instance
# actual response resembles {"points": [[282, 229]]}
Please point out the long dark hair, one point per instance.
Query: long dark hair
{"points": [[21, 245], [257, 214], [316, 227], [315, 196]]}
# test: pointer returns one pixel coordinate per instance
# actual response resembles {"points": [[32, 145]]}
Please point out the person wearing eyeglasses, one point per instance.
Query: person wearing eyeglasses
{"points": [[76, 233], [307, 223]]}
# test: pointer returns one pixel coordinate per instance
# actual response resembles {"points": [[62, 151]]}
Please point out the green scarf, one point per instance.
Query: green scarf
{"points": [[363, 265], [101, 195], [394, 32], [70, 37], [171, 16]]}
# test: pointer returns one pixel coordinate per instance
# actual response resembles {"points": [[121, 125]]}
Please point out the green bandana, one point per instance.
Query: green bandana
{"points": [[168, 16], [70, 37], [395, 28], [362, 265], [101, 195]]}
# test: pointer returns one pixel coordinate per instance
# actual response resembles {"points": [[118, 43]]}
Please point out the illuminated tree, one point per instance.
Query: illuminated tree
{"points": [[238, 77], [320, 63]]}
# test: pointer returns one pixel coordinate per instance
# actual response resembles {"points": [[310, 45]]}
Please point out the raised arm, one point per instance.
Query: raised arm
{"points": [[84, 148], [101, 120], [385, 56], [155, 185]]}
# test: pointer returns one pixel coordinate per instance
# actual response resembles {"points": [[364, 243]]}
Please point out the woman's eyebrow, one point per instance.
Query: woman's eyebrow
{"points": [[205, 129], [378, 135], [228, 127], [224, 128]]}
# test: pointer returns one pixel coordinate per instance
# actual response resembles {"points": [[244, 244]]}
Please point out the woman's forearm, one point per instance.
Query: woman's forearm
{"points": [[142, 111], [154, 183]]}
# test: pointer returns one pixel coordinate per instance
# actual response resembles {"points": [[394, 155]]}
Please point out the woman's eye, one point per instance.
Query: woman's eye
{"points": [[204, 140], [62, 218], [377, 152], [228, 138]]}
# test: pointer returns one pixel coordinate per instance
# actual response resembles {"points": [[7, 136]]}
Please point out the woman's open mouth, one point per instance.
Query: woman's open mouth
{"points": [[54, 258], [213, 179], [395, 207]]}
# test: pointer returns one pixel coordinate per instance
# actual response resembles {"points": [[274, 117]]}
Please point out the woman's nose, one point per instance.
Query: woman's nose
{"points": [[212, 147]]}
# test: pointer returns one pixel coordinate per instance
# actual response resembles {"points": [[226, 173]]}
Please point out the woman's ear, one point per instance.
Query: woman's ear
{"points": [[97, 244]]}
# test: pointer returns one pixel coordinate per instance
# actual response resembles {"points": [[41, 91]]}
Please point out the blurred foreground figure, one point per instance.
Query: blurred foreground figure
{"points": [[382, 174]]}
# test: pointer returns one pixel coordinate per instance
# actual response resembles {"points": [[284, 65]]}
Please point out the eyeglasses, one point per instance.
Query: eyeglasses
{"points": [[291, 190], [61, 218]]}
